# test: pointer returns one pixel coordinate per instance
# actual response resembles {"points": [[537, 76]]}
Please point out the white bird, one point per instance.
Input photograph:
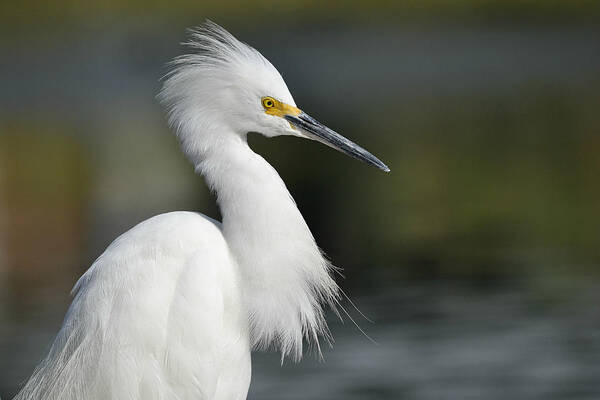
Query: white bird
{"points": [[174, 306]]}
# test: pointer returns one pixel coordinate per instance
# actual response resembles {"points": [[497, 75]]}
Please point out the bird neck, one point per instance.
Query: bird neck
{"points": [[284, 277]]}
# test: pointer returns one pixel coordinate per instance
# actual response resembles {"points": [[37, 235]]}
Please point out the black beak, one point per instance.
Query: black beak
{"points": [[323, 134]]}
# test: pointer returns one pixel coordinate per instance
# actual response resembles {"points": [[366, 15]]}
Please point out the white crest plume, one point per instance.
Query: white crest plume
{"points": [[221, 78]]}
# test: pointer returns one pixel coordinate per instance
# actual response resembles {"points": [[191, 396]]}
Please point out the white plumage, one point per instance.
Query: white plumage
{"points": [[173, 307]]}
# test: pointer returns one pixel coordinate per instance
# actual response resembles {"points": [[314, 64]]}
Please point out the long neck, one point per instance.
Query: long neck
{"points": [[285, 278]]}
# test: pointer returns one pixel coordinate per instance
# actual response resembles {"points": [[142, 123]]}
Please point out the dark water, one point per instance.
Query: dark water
{"points": [[434, 341], [451, 342]]}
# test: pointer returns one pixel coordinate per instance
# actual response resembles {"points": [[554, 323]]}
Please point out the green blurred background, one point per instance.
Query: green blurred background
{"points": [[478, 256]]}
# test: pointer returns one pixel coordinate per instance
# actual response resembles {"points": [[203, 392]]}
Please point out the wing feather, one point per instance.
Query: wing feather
{"points": [[148, 318]]}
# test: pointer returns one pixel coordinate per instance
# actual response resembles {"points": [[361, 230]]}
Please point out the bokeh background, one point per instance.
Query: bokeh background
{"points": [[477, 257]]}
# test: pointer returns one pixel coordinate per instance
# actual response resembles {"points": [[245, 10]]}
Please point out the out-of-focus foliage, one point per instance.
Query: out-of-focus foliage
{"points": [[40, 15], [45, 181], [491, 175]]}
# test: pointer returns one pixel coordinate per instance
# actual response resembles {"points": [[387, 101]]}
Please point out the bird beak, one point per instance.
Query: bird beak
{"points": [[317, 131]]}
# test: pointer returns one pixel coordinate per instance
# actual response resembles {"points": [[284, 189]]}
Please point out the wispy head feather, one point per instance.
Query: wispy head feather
{"points": [[221, 75]]}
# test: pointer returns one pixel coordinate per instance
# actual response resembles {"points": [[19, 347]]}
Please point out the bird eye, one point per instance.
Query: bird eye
{"points": [[268, 102]]}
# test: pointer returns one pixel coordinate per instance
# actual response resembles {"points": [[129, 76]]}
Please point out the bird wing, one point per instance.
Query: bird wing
{"points": [[151, 319]]}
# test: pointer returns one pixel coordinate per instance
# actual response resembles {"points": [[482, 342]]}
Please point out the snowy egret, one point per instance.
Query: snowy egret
{"points": [[174, 306]]}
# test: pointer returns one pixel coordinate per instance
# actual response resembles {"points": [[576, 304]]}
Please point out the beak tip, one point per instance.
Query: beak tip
{"points": [[383, 167]]}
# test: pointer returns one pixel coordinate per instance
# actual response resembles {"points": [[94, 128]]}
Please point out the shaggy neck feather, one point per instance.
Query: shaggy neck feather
{"points": [[285, 278]]}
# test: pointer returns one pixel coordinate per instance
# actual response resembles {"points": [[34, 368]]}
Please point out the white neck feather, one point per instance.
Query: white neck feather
{"points": [[285, 278]]}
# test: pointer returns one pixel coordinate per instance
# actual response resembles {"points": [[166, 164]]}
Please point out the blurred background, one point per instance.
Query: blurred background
{"points": [[477, 257]]}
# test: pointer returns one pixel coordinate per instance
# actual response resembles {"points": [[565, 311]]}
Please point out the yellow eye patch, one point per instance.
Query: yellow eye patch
{"points": [[278, 108]]}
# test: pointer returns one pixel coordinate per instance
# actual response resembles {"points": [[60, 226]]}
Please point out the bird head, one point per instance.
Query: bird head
{"points": [[226, 88]]}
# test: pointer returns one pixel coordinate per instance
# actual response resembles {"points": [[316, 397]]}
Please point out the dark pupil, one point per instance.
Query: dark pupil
{"points": [[269, 103]]}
